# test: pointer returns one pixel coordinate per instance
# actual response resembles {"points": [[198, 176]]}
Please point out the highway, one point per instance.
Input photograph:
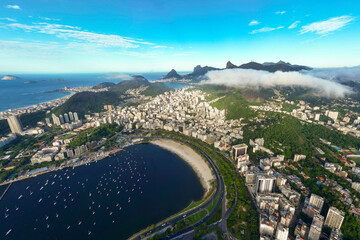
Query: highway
{"points": [[220, 188]]}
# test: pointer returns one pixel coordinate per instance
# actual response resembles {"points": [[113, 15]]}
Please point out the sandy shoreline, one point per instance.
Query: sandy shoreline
{"points": [[199, 165]]}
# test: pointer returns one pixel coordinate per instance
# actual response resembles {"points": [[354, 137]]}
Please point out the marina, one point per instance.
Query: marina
{"points": [[99, 198]]}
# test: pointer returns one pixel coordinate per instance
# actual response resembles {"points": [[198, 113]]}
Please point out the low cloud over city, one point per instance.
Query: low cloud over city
{"points": [[252, 78]]}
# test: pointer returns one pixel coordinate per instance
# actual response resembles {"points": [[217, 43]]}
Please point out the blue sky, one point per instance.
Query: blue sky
{"points": [[57, 36]]}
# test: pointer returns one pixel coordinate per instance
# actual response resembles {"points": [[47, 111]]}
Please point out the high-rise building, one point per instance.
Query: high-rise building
{"points": [[61, 119], [282, 232], [314, 205], [14, 124], [238, 150], [66, 117], [250, 177], [336, 234], [316, 227], [334, 218], [47, 120], [53, 116], [316, 202], [332, 115], [56, 120], [71, 116], [264, 183], [76, 117]]}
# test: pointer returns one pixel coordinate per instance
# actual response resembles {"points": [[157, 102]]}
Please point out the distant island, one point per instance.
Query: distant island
{"points": [[54, 80], [10, 77], [30, 82]]}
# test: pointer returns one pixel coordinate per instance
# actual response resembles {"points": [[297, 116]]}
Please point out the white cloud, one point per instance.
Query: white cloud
{"points": [[29, 49], [327, 26], [49, 19], [75, 33], [254, 22], [338, 74], [183, 54], [294, 25], [280, 12], [120, 76], [243, 78], [17, 7], [9, 19], [160, 46], [265, 29]]}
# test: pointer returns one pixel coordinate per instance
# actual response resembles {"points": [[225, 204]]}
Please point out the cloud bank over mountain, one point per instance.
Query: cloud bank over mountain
{"points": [[338, 74], [120, 76], [243, 78]]}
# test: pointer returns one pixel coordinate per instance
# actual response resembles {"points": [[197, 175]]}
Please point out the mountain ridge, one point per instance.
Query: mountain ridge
{"points": [[199, 71]]}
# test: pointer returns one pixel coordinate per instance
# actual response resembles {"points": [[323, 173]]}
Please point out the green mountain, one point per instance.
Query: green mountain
{"points": [[198, 73], [136, 82], [103, 85], [172, 75], [155, 89], [152, 89], [88, 102], [273, 67]]}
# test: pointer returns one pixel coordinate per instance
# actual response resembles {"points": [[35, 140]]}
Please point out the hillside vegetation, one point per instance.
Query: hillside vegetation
{"points": [[155, 89], [88, 102], [94, 134], [234, 100], [288, 135], [4, 127]]}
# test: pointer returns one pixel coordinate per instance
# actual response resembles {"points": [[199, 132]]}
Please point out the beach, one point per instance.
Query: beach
{"points": [[199, 164]]}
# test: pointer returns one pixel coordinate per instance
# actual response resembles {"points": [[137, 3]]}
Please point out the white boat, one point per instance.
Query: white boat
{"points": [[7, 233], [40, 199], [20, 196]]}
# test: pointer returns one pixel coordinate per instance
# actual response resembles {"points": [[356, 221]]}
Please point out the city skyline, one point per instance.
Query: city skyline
{"points": [[138, 36]]}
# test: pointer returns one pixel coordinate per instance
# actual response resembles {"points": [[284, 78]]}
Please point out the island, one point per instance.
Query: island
{"points": [[9, 77]]}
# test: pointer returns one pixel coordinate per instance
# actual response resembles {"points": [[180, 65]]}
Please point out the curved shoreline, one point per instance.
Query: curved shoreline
{"points": [[197, 163]]}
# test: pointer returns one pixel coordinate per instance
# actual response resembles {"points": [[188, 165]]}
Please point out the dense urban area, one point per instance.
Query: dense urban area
{"points": [[290, 166]]}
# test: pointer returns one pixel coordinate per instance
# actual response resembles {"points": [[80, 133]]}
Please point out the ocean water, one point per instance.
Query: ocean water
{"points": [[111, 199], [17, 94]]}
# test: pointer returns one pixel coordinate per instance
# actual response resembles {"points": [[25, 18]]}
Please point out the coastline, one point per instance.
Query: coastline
{"points": [[40, 103], [197, 163]]}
